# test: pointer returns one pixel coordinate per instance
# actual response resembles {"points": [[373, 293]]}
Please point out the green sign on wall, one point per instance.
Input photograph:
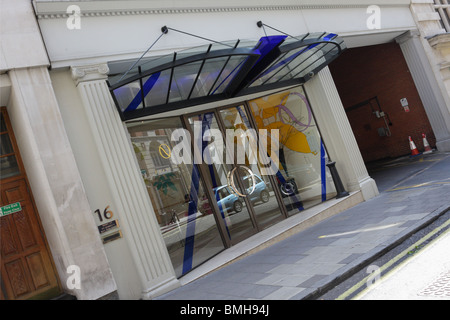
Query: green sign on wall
{"points": [[10, 208]]}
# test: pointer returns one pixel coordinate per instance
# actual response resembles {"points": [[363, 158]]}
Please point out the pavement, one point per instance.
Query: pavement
{"points": [[414, 192]]}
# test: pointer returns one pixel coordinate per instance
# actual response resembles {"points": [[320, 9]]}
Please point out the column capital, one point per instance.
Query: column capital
{"points": [[89, 72], [407, 36]]}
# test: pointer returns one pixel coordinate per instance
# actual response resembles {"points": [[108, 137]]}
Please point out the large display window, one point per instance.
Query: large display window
{"points": [[303, 177], [213, 182], [178, 196]]}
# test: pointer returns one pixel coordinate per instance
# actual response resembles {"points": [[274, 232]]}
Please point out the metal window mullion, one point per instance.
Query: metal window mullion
{"points": [[198, 74], [223, 68], [320, 48], [218, 76], [142, 87], [305, 36], [170, 80], [320, 37], [304, 62], [287, 64], [292, 68], [273, 64], [313, 62]]}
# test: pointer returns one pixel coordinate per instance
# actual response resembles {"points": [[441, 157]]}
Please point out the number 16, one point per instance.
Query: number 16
{"points": [[108, 214]]}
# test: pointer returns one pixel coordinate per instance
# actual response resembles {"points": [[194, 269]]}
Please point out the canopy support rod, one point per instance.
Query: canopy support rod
{"points": [[261, 24], [193, 35], [134, 64]]}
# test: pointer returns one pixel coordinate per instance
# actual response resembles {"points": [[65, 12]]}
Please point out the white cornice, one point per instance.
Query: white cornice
{"points": [[59, 11]]}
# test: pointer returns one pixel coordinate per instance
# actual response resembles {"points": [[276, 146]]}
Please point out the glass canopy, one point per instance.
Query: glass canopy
{"points": [[219, 71]]}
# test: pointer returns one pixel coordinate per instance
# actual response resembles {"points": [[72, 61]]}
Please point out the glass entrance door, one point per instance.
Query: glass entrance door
{"points": [[258, 183], [211, 153], [227, 147]]}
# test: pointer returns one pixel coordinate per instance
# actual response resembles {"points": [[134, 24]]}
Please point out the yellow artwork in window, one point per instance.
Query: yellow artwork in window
{"points": [[272, 113]]}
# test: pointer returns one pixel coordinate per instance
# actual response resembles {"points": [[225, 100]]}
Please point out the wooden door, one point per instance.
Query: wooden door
{"points": [[27, 270]]}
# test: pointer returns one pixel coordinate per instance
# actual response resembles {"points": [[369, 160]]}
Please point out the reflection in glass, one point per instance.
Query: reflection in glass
{"points": [[155, 88], [8, 167], [8, 162], [181, 205], [183, 80], [126, 95], [233, 209], [208, 77], [303, 178], [2, 124], [5, 145], [231, 69], [263, 199]]}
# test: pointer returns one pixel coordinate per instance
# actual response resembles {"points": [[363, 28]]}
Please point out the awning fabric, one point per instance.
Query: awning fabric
{"points": [[220, 71]]}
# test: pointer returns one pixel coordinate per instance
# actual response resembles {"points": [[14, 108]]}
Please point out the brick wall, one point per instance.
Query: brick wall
{"points": [[381, 71]]}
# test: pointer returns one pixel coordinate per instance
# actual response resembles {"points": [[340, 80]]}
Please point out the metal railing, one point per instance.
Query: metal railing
{"points": [[443, 8]]}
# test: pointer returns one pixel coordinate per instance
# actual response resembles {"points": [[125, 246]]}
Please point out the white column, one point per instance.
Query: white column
{"points": [[56, 184], [338, 135], [436, 104], [141, 229]]}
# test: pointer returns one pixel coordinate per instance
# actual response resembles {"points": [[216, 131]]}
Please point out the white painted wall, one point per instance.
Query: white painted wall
{"points": [[125, 29], [20, 40]]}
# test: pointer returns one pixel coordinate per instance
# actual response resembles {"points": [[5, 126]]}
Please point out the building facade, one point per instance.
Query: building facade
{"points": [[145, 144]]}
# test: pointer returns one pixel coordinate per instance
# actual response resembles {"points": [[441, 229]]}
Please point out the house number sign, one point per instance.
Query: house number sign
{"points": [[107, 214], [106, 225]]}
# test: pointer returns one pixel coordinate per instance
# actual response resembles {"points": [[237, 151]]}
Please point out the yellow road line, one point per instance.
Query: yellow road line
{"points": [[392, 261]]}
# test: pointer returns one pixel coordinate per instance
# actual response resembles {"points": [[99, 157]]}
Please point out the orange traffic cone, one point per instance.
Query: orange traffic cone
{"points": [[414, 151], [426, 144]]}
